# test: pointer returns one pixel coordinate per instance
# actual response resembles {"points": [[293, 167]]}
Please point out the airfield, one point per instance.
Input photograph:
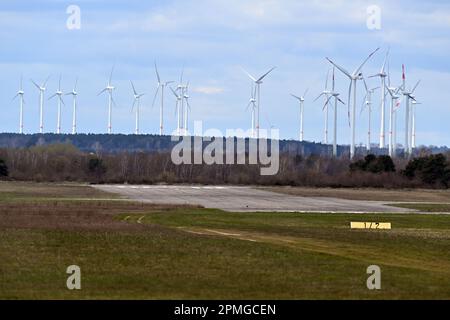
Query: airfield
{"points": [[220, 242], [245, 199]]}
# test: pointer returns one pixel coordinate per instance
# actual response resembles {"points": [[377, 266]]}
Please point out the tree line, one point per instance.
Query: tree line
{"points": [[64, 162]]}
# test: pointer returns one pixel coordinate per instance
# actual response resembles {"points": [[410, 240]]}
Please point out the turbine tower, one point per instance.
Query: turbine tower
{"points": [[20, 94], [187, 109], [258, 83], [252, 104], [326, 93], [58, 94], [162, 85], [393, 92], [335, 95], [368, 104], [301, 101], [382, 74], [408, 114], [137, 102], [414, 103], [179, 99], [74, 95], [354, 77], [41, 89], [109, 88], [180, 105]]}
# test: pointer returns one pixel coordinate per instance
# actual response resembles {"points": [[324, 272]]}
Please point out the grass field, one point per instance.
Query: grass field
{"points": [[132, 250]]}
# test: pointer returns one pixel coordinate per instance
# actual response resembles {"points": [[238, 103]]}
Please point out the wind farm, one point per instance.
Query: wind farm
{"points": [[190, 151], [181, 98]]}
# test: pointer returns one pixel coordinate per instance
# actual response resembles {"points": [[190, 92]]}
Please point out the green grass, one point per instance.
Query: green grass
{"points": [[189, 253]]}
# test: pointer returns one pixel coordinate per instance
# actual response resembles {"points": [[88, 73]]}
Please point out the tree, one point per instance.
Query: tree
{"points": [[374, 164], [3, 169], [431, 170], [96, 168]]}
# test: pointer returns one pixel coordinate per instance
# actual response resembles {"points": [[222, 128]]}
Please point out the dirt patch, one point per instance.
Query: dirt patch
{"points": [[73, 215]]}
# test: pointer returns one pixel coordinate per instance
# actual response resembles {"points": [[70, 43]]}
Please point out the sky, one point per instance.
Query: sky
{"points": [[214, 40]]}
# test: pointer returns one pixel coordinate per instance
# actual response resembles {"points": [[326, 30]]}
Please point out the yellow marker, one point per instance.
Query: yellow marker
{"points": [[370, 225]]}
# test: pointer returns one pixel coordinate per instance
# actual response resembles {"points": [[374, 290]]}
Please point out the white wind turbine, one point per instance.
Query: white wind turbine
{"points": [[180, 105], [109, 88], [252, 104], [367, 103], [408, 114], [162, 85], [59, 95], [382, 74], [20, 94], [327, 94], [335, 95], [178, 102], [414, 103], [41, 89], [137, 103], [187, 109], [258, 83], [301, 101], [74, 95], [354, 77], [394, 93]]}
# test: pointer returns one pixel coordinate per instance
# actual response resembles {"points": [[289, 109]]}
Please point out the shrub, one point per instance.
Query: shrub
{"points": [[432, 170], [374, 164]]}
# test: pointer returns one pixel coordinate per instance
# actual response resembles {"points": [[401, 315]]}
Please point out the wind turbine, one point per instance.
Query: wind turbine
{"points": [[354, 77], [335, 95], [382, 74], [258, 83], [177, 109], [74, 95], [162, 85], [414, 103], [109, 88], [394, 93], [408, 119], [20, 94], [252, 104], [180, 104], [58, 94], [368, 104], [137, 102], [301, 100], [187, 109], [326, 93], [41, 89]]}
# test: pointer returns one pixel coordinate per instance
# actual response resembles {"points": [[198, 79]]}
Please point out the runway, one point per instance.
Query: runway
{"points": [[244, 199]]}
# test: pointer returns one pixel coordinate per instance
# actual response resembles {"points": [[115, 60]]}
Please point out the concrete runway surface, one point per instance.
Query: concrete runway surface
{"points": [[242, 199]]}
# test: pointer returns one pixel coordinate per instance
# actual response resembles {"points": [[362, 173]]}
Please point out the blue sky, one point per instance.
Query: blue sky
{"points": [[214, 39]]}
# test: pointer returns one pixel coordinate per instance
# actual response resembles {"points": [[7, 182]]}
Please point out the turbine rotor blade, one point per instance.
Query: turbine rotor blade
{"points": [[134, 90], [157, 74], [365, 61], [306, 91], [249, 75], [340, 68], [265, 74], [37, 86], [415, 87], [101, 91], [156, 94]]}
